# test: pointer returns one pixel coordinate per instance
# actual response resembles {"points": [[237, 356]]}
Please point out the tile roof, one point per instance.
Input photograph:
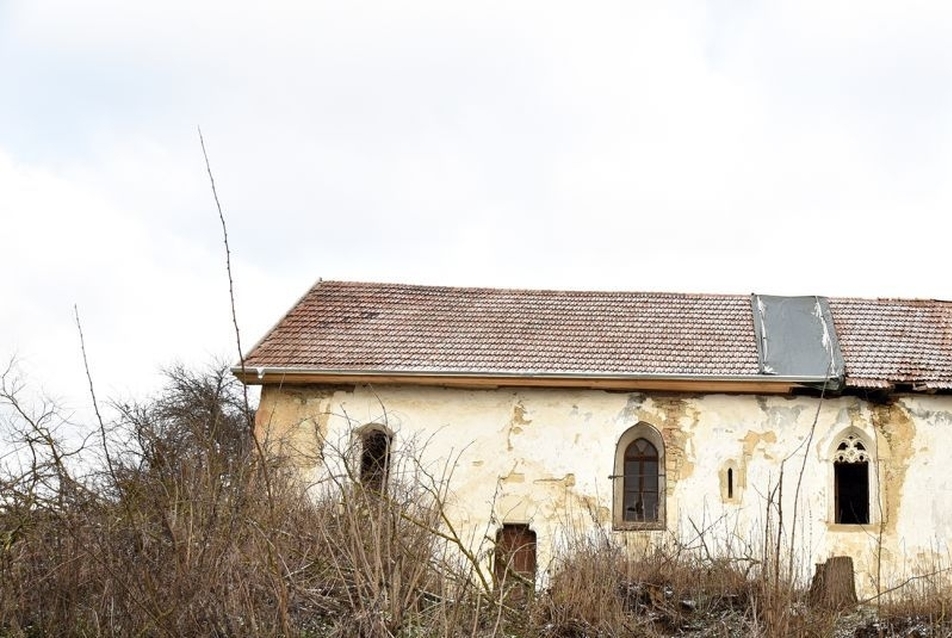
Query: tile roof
{"points": [[396, 328], [895, 341]]}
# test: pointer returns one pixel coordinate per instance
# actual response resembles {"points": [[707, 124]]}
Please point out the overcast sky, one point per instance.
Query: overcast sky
{"points": [[781, 148]]}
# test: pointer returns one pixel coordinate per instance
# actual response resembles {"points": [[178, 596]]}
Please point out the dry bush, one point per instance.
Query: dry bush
{"points": [[163, 540], [599, 589], [185, 529], [586, 595], [384, 562]]}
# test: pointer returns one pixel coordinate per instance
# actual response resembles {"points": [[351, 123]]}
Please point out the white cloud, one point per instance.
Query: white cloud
{"points": [[736, 147], [146, 296]]}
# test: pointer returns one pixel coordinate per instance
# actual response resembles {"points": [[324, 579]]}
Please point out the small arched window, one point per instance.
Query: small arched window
{"points": [[732, 481], [639, 495], [374, 458]]}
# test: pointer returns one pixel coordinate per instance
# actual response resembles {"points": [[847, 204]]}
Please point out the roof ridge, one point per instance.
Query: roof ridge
{"points": [[496, 289], [612, 291]]}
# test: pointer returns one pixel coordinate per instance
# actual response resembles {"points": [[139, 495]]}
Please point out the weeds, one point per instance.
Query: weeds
{"points": [[180, 535]]}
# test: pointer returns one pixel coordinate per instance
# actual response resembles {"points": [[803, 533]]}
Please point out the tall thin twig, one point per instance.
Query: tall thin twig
{"points": [[234, 320], [231, 281], [92, 393]]}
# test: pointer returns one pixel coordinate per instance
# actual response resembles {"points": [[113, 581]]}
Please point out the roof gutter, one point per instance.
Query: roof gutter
{"points": [[264, 375]]}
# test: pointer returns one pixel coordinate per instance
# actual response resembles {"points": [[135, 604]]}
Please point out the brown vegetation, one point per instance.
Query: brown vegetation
{"points": [[182, 527]]}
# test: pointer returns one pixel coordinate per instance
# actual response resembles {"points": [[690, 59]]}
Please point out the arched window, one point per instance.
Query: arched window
{"points": [[639, 495], [851, 461], [374, 458], [640, 500]]}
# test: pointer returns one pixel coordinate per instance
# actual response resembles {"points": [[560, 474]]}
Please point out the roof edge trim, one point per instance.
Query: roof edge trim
{"points": [[257, 375]]}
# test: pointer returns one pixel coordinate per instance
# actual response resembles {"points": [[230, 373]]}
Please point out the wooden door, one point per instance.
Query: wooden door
{"points": [[515, 555]]}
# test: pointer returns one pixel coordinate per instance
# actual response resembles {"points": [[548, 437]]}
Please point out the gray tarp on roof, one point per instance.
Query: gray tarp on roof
{"points": [[796, 337]]}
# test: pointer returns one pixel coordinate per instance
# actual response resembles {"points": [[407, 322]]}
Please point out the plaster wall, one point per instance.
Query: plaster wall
{"points": [[545, 457]]}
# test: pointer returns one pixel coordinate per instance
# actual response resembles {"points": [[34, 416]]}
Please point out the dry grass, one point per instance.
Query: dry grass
{"points": [[919, 606], [179, 533], [598, 589]]}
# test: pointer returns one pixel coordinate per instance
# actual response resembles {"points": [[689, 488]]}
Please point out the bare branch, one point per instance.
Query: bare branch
{"points": [[231, 282], [92, 394]]}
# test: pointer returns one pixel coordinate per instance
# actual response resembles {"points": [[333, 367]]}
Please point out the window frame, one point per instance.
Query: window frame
{"points": [[859, 450], [649, 433]]}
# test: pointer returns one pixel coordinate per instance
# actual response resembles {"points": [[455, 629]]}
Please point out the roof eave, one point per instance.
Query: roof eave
{"points": [[767, 384]]}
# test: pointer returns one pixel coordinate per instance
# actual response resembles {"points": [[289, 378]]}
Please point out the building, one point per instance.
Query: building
{"points": [[659, 418]]}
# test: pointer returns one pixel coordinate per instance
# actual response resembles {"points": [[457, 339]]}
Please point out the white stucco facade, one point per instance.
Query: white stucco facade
{"points": [[734, 465]]}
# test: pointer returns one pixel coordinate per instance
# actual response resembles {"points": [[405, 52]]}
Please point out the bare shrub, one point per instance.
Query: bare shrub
{"points": [[158, 544], [385, 564], [586, 595], [599, 588], [179, 535]]}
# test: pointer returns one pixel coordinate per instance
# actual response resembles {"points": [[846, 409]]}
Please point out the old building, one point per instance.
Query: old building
{"points": [[660, 418]]}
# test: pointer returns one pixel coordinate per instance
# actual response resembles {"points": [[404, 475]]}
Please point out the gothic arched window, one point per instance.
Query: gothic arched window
{"points": [[639, 495]]}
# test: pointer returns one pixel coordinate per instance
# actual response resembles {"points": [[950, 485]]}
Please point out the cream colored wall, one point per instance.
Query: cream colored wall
{"points": [[544, 457]]}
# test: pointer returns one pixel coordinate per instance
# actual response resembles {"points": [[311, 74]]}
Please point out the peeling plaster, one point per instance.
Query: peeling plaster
{"points": [[758, 441], [513, 477], [897, 428], [678, 423], [565, 481], [294, 421], [517, 422], [631, 413]]}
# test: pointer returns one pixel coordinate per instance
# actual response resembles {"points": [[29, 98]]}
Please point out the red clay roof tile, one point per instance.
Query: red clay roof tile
{"points": [[370, 327], [895, 341]]}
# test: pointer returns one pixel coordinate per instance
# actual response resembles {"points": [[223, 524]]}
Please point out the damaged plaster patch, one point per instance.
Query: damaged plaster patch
{"points": [[779, 416], [513, 477], [676, 419], [595, 510], [754, 441], [895, 425], [633, 410], [294, 422], [565, 481], [519, 414], [517, 422], [558, 499], [678, 424]]}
